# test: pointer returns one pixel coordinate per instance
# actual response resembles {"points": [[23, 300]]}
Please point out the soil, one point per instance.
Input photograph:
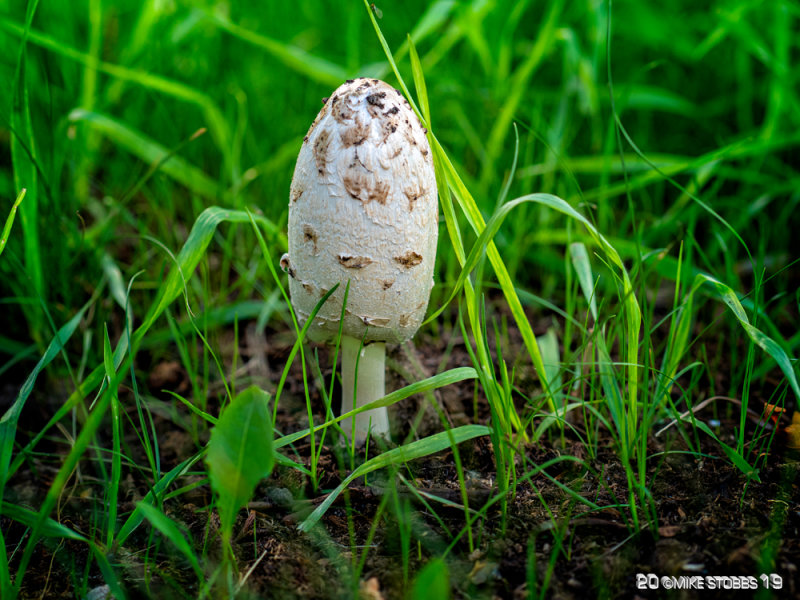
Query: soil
{"points": [[711, 521]]}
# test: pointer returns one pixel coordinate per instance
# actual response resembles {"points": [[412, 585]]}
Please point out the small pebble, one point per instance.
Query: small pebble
{"points": [[101, 592], [280, 496]]}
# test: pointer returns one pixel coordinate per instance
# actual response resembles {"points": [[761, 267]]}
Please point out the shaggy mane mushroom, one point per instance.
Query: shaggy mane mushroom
{"points": [[363, 209]]}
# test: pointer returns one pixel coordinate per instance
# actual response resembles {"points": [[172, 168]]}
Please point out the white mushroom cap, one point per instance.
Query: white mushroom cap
{"points": [[363, 208]]}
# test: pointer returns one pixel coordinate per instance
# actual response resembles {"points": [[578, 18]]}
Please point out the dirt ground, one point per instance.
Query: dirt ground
{"points": [[711, 520]]}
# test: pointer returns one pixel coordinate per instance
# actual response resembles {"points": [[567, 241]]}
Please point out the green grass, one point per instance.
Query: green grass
{"points": [[624, 174]]}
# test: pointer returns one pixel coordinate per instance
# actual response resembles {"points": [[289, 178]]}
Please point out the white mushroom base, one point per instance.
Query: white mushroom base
{"points": [[370, 386]]}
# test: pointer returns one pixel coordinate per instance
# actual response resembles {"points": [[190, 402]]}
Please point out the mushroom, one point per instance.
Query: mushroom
{"points": [[363, 209]]}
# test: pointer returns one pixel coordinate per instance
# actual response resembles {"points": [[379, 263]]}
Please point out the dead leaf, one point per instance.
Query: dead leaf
{"points": [[371, 589], [168, 375], [481, 571], [793, 432], [669, 531]]}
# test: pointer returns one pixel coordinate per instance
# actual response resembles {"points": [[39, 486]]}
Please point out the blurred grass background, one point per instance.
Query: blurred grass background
{"points": [[124, 120]]}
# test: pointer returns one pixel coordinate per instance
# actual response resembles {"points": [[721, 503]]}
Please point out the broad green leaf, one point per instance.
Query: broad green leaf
{"points": [[240, 453], [433, 581], [424, 447]]}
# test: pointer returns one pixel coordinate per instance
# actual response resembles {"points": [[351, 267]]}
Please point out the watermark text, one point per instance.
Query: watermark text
{"points": [[651, 581]]}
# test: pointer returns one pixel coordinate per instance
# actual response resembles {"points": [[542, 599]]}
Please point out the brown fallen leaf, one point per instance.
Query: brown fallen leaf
{"points": [[370, 589], [168, 375], [482, 571], [669, 531], [793, 432]]}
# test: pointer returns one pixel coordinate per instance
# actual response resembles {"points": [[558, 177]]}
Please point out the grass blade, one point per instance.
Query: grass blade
{"points": [[155, 496], [116, 455], [216, 121], [80, 446], [766, 343], [170, 530], [192, 251], [420, 387], [580, 261], [315, 68], [10, 221], [51, 528], [519, 84], [8, 424], [424, 447], [150, 152], [24, 161], [448, 179], [187, 260]]}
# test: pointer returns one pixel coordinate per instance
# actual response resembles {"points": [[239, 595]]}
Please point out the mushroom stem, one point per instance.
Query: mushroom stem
{"points": [[371, 386]]}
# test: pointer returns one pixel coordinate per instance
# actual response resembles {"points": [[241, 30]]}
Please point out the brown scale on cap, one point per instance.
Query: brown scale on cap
{"points": [[296, 192], [355, 135], [342, 113], [354, 262], [414, 193], [375, 321], [321, 145], [375, 105], [388, 127], [379, 192], [309, 235], [376, 99], [409, 259], [356, 182]]}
